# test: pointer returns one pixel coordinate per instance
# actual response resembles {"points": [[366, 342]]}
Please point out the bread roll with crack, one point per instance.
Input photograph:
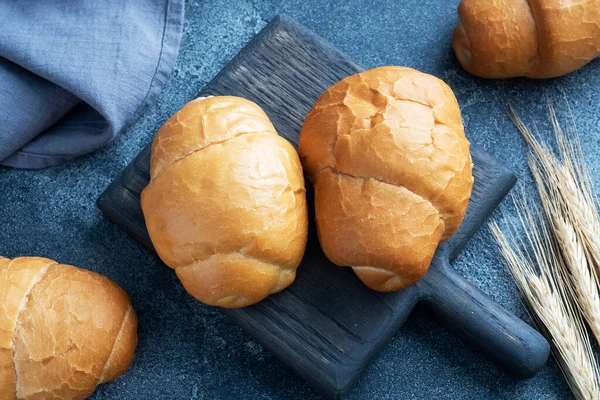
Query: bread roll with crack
{"points": [[226, 204], [532, 38], [387, 154], [63, 330]]}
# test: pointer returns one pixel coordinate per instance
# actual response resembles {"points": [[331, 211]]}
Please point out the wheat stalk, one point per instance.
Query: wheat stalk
{"points": [[576, 188], [546, 297], [582, 280], [571, 178], [565, 191]]}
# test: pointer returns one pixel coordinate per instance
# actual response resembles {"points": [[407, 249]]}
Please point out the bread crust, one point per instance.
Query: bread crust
{"points": [[63, 330], [226, 206], [532, 38], [386, 152]]}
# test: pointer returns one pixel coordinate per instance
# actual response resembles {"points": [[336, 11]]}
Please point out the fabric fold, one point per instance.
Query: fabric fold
{"points": [[73, 74]]}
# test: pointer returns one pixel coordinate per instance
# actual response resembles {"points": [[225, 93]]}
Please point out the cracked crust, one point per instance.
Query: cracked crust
{"points": [[63, 330], [532, 38], [17, 278], [390, 163], [226, 205]]}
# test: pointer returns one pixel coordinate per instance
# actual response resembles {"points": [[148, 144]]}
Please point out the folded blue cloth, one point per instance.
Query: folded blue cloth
{"points": [[74, 73]]}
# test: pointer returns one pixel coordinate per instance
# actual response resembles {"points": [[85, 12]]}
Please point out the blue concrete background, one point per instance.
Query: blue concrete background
{"points": [[191, 351]]}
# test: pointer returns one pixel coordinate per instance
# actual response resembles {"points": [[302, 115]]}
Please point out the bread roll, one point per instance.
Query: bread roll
{"points": [[63, 330], [226, 204], [533, 38], [387, 154]]}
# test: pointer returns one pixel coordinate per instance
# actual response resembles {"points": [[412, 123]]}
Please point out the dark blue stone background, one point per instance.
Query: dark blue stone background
{"points": [[190, 351]]}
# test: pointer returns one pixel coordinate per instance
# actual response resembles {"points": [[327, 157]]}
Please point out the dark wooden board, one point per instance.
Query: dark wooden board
{"points": [[328, 326]]}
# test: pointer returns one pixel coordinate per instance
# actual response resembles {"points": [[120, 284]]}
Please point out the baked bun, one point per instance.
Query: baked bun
{"points": [[387, 154], [63, 330], [226, 204], [532, 38]]}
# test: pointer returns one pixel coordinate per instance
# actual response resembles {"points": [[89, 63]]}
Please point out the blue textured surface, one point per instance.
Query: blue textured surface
{"points": [[190, 351]]}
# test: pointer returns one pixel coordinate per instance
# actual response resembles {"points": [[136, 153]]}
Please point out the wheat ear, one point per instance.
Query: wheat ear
{"points": [[582, 279], [577, 189], [568, 210], [572, 180], [546, 297]]}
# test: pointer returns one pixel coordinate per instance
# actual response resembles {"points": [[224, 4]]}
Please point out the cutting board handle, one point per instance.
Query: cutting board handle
{"points": [[481, 322]]}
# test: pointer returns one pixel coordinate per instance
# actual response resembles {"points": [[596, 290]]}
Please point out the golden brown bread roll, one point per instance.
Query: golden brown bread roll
{"points": [[533, 38], [63, 330], [387, 154], [226, 204]]}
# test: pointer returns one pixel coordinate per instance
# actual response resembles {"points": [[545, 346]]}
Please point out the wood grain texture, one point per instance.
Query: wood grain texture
{"points": [[328, 326]]}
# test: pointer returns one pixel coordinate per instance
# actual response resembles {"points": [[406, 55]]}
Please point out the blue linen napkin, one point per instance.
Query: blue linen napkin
{"points": [[74, 73]]}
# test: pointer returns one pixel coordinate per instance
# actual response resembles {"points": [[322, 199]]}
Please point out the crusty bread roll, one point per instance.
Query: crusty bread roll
{"points": [[387, 154], [63, 330], [533, 38], [226, 204]]}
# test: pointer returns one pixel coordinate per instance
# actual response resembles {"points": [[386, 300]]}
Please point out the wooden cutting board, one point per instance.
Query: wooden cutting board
{"points": [[328, 326]]}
